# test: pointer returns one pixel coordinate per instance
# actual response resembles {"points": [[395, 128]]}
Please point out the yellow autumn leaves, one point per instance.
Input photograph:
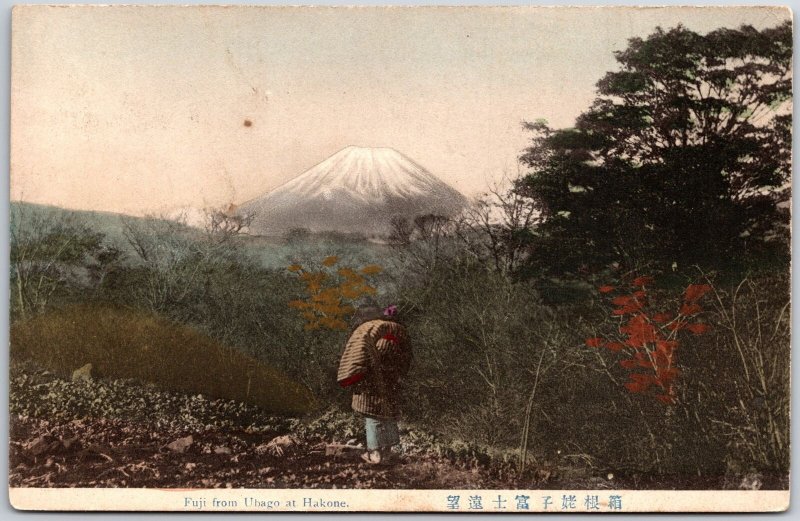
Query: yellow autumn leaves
{"points": [[330, 291]]}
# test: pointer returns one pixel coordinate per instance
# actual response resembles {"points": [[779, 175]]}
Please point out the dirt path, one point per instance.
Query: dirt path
{"points": [[115, 453], [117, 433], [121, 433]]}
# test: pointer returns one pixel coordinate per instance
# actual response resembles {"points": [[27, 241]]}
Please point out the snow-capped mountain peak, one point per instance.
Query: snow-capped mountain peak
{"points": [[370, 173], [355, 189]]}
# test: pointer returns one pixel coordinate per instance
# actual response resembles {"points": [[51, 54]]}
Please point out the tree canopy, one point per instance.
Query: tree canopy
{"points": [[682, 159]]}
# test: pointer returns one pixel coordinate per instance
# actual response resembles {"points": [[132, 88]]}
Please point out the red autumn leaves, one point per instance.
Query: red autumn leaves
{"points": [[651, 338]]}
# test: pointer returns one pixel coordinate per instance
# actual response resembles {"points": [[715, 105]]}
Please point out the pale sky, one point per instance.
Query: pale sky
{"points": [[143, 109]]}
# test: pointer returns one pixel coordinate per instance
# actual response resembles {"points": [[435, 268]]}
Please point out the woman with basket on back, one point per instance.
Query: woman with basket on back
{"points": [[376, 358]]}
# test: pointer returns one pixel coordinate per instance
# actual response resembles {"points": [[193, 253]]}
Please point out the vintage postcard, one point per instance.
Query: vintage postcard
{"points": [[440, 259]]}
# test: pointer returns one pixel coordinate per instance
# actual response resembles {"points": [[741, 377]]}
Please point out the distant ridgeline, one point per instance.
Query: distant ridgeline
{"points": [[356, 190]]}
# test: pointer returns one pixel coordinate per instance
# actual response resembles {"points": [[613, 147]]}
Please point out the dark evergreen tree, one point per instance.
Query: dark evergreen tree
{"points": [[684, 157]]}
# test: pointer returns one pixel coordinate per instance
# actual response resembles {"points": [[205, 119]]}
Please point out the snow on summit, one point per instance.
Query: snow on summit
{"points": [[372, 173], [355, 190]]}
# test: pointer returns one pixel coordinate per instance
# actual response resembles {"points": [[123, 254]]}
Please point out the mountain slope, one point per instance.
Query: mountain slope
{"points": [[355, 190]]}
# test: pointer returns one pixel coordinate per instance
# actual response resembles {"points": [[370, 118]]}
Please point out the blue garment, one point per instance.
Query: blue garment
{"points": [[381, 433]]}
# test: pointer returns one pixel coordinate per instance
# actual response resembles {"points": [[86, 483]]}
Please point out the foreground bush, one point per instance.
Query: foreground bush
{"points": [[497, 366], [126, 344]]}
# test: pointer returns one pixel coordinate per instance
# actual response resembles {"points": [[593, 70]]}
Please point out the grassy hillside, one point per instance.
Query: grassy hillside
{"points": [[121, 343], [107, 223], [273, 252]]}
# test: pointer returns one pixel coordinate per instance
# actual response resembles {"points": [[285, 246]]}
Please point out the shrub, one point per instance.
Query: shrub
{"points": [[479, 343], [330, 292], [650, 337], [731, 403], [738, 399], [122, 343], [54, 258]]}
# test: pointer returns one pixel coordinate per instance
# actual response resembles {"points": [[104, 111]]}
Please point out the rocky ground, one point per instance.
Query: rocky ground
{"points": [[96, 433], [117, 453], [93, 433]]}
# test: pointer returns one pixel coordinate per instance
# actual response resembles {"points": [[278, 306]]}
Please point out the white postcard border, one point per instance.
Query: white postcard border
{"points": [[327, 500]]}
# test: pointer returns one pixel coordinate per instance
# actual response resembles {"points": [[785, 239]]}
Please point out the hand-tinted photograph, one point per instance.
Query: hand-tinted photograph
{"points": [[455, 259]]}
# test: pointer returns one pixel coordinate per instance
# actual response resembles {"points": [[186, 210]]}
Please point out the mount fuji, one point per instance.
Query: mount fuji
{"points": [[355, 190]]}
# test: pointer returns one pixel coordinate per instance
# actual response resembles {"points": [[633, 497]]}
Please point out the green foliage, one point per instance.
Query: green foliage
{"points": [[498, 360], [54, 258], [494, 365], [683, 158], [477, 340], [738, 398], [126, 344]]}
